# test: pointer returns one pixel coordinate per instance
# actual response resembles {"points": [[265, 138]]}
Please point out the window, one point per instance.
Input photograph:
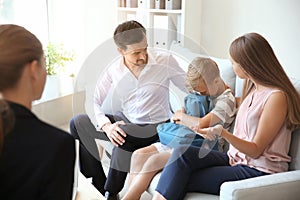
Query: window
{"points": [[79, 25], [44, 19], [31, 14]]}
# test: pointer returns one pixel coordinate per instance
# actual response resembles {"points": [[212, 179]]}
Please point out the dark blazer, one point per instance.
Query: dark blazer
{"points": [[37, 160]]}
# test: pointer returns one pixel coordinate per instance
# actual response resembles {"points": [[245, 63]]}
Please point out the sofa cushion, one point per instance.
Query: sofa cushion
{"points": [[295, 144], [295, 151], [189, 196], [278, 186]]}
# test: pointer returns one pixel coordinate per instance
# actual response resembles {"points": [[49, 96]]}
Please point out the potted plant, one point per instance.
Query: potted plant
{"points": [[56, 58], [58, 81]]}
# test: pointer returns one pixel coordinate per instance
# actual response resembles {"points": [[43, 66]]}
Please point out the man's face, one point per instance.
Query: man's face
{"points": [[136, 54]]}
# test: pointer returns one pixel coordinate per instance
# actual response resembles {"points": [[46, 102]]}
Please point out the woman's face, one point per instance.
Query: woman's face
{"points": [[41, 78], [238, 70]]}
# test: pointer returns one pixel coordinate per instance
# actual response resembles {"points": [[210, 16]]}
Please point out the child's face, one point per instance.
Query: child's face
{"points": [[206, 89]]}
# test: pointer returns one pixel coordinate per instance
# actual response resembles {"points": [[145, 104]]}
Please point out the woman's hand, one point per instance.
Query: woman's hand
{"points": [[210, 133], [115, 133]]}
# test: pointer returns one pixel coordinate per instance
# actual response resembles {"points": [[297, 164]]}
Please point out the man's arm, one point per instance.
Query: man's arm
{"points": [[100, 94], [177, 74]]}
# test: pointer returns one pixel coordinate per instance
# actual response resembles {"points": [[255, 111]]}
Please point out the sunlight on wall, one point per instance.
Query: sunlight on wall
{"points": [[223, 21], [81, 25]]}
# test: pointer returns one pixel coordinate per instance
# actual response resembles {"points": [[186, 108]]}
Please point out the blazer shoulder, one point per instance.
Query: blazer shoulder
{"points": [[55, 132]]}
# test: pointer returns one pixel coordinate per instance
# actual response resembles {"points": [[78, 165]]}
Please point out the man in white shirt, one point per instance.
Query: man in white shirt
{"points": [[139, 81]]}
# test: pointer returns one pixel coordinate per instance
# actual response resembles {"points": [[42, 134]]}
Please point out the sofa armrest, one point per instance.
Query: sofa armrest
{"points": [[283, 185]]}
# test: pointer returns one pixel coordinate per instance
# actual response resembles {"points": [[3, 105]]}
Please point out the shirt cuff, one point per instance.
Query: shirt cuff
{"points": [[101, 123]]}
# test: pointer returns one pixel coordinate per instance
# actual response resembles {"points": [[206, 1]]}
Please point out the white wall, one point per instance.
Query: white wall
{"points": [[221, 22], [278, 21], [82, 24], [100, 20]]}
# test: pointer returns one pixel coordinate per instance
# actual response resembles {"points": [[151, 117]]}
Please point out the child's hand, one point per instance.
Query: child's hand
{"points": [[183, 119], [211, 133], [178, 115]]}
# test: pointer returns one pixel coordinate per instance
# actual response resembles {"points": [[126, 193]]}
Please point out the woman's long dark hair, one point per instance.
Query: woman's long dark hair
{"points": [[257, 58]]}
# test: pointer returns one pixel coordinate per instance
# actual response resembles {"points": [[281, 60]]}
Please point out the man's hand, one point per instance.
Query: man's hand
{"points": [[210, 133], [115, 133]]}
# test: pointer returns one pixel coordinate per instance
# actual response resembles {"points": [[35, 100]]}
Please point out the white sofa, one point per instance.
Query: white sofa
{"points": [[277, 186]]}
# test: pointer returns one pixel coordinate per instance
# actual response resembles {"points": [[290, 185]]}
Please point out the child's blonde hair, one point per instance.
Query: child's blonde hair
{"points": [[201, 69]]}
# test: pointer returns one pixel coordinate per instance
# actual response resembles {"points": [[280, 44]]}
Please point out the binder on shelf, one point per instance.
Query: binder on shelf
{"points": [[131, 3], [142, 3], [164, 31], [152, 4], [160, 4], [122, 3], [146, 4], [173, 4]]}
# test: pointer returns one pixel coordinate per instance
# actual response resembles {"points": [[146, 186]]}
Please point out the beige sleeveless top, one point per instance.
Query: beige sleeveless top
{"points": [[275, 157]]}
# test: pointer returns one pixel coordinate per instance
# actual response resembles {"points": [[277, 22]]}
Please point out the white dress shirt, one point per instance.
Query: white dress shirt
{"points": [[144, 100]]}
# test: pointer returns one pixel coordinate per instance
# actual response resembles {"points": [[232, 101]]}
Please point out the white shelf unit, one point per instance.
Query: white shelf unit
{"points": [[165, 25]]}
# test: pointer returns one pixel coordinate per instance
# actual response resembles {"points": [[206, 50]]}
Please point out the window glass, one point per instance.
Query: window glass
{"points": [[31, 14]]}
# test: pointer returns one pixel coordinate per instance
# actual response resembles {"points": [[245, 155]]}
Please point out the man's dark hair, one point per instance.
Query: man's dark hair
{"points": [[129, 32]]}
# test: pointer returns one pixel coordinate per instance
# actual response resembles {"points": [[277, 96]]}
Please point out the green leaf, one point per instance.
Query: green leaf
{"points": [[56, 58]]}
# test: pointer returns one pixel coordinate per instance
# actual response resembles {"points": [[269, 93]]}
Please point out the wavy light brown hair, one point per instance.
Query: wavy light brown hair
{"points": [[17, 48], [256, 56]]}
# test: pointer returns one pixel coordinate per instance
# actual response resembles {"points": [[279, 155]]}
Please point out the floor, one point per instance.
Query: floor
{"points": [[105, 160]]}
